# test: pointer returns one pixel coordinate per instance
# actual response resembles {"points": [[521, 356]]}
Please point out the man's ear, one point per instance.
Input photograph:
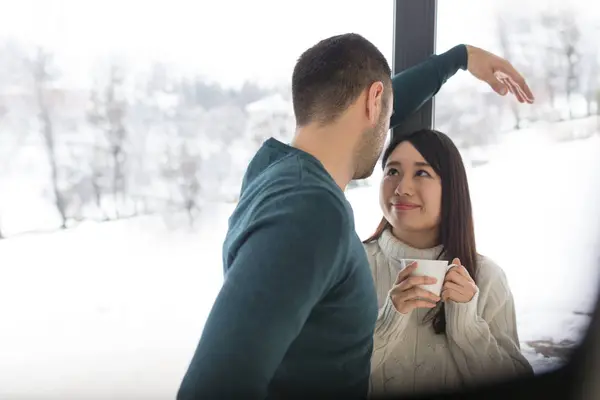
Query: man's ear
{"points": [[375, 102]]}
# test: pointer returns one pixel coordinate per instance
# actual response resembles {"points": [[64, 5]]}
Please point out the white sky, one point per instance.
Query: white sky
{"points": [[226, 40]]}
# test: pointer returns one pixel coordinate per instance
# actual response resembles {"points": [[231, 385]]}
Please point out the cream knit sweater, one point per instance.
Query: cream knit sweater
{"points": [[480, 344]]}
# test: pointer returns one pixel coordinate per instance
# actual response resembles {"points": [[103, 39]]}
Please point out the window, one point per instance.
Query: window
{"points": [[131, 127], [533, 169]]}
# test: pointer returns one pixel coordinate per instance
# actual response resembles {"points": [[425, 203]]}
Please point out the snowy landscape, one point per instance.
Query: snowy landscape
{"points": [[115, 309], [122, 152]]}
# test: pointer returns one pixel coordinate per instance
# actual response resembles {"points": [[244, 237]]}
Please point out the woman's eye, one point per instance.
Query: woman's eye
{"points": [[392, 172], [423, 173]]}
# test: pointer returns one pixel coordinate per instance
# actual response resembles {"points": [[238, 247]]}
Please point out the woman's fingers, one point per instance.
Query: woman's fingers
{"points": [[455, 287], [412, 281], [405, 273], [458, 275], [416, 293], [420, 304]]}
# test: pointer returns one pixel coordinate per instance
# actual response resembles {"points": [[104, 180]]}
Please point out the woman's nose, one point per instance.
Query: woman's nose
{"points": [[405, 187]]}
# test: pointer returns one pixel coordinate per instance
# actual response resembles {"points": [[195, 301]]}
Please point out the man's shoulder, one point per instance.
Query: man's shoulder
{"points": [[310, 201], [299, 170], [296, 184]]}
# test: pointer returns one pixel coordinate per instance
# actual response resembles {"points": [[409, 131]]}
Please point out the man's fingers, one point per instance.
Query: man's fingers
{"points": [[517, 80], [498, 86], [515, 90], [502, 86], [508, 76], [528, 93]]}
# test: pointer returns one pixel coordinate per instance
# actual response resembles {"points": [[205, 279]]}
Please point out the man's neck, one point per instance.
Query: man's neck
{"points": [[333, 146]]}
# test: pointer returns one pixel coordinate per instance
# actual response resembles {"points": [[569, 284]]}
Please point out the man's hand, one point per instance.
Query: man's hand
{"points": [[498, 73]]}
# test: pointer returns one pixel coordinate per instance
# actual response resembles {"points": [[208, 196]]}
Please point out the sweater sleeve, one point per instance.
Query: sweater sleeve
{"points": [[388, 330], [416, 85], [280, 271], [482, 333], [390, 322]]}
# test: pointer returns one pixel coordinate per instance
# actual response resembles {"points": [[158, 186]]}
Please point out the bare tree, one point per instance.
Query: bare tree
{"points": [[182, 169], [184, 158], [551, 73], [108, 115], [42, 76], [568, 36], [592, 85], [505, 45], [98, 170]]}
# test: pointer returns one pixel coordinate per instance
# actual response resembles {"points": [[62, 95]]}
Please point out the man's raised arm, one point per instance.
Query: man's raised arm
{"points": [[414, 86]]}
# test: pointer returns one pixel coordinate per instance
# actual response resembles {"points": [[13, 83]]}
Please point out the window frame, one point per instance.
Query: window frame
{"points": [[414, 40]]}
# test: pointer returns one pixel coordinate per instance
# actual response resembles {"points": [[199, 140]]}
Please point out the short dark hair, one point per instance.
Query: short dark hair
{"points": [[331, 75]]}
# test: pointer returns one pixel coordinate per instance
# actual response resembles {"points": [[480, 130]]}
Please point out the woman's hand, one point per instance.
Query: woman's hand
{"points": [[458, 284], [406, 295]]}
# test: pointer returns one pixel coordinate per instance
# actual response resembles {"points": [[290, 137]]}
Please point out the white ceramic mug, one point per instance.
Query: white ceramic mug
{"points": [[433, 268]]}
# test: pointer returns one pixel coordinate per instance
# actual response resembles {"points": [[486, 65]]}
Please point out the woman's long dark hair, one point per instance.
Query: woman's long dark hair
{"points": [[457, 233]]}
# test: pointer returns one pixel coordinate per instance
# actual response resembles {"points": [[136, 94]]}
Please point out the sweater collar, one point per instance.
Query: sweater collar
{"points": [[398, 250]]}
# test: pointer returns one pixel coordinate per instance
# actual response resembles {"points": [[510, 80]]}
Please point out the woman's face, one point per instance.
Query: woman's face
{"points": [[411, 192]]}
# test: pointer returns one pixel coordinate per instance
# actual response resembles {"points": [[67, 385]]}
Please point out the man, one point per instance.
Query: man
{"points": [[296, 313]]}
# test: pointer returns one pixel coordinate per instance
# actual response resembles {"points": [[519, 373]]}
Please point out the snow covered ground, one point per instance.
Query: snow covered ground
{"points": [[114, 310]]}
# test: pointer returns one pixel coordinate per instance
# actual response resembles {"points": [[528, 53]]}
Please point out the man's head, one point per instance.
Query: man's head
{"points": [[346, 77]]}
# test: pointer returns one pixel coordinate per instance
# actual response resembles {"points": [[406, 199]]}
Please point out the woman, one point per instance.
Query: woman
{"points": [[424, 342]]}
